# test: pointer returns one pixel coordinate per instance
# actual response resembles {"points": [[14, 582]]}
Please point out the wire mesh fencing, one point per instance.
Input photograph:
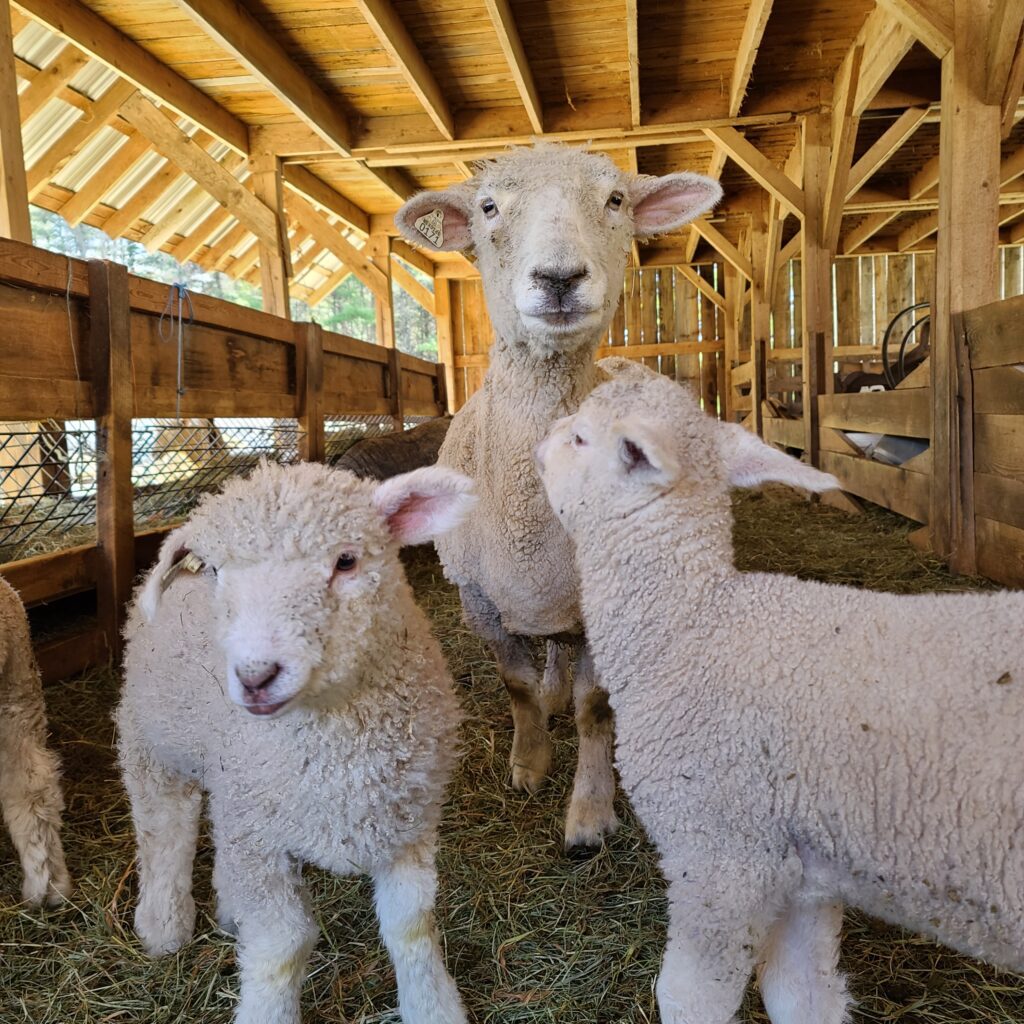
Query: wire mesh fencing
{"points": [[341, 432]]}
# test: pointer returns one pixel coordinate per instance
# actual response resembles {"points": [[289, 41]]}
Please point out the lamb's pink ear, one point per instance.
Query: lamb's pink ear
{"points": [[173, 551], [751, 462], [425, 503], [437, 220], [666, 203], [644, 453]]}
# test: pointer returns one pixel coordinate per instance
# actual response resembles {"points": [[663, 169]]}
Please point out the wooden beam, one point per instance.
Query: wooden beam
{"points": [[633, 61], [218, 254], [73, 21], [420, 293], [715, 166], [275, 259], [867, 229], [918, 231], [394, 37], [317, 191], [105, 178], [327, 287], [844, 135], [1004, 37], [759, 167], [886, 42], [394, 179], [403, 250], [168, 139], [884, 148], [187, 248], [931, 21], [51, 80], [512, 46], [445, 341], [722, 245], [760, 310], [702, 284], [1014, 88], [791, 249], [43, 171], [133, 208], [966, 273], [753, 31], [14, 217], [242, 36], [331, 239]]}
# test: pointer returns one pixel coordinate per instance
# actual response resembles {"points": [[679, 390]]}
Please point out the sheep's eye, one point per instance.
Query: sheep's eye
{"points": [[615, 200], [490, 208], [346, 562]]}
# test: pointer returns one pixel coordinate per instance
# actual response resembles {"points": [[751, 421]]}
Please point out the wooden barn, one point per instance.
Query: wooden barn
{"points": [[856, 299]]}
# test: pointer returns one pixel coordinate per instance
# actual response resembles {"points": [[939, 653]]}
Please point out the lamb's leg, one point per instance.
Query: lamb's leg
{"points": [[799, 978], [555, 687], [165, 809], [31, 800], [591, 814], [276, 931], [531, 742], [405, 893]]}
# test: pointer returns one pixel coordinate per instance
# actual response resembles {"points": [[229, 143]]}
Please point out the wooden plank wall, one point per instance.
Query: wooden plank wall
{"points": [[238, 362], [995, 340], [662, 320]]}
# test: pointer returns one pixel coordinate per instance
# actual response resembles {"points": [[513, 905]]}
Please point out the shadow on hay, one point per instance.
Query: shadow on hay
{"points": [[530, 936]]}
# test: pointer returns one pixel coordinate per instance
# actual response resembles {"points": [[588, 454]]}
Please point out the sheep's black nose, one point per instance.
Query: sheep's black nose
{"points": [[257, 675], [559, 282]]}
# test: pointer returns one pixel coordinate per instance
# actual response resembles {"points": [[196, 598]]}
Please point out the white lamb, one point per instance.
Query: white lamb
{"points": [[29, 773], [551, 227], [277, 660], [790, 746]]}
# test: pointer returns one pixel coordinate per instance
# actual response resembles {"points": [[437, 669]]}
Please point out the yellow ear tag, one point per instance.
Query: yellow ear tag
{"points": [[431, 227]]}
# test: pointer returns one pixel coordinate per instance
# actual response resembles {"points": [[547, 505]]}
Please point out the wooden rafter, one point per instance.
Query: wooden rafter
{"points": [[866, 230], [512, 46], [331, 239], [1014, 88], [722, 245], [327, 287], [931, 21], [1004, 39], [14, 216], [753, 30], [702, 284], [633, 61], [164, 177], [886, 41], [918, 231], [759, 167], [318, 191], [715, 167], [103, 110], [218, 254], [73, 21], [169, 140], [884, 148], [403, 250], [106, 177], [51, 80], [380, 15], [423, 295], [187, 248], [241, 35], [844, 136]]}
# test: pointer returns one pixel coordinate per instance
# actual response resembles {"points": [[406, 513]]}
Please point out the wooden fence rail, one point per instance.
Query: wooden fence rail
{"points": [[87, 341]]}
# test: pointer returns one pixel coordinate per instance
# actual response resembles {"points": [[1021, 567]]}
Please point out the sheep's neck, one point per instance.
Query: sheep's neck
{"points": [[554, 384]]}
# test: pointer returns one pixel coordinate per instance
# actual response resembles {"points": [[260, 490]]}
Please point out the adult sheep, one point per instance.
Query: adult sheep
{"points": [[277, 660], [551, 228], [789, 745], [30, 794]]}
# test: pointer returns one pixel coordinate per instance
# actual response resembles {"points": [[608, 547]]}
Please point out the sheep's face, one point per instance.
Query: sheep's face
{"points": [[552, 228], [637, 438], [303, 564]]}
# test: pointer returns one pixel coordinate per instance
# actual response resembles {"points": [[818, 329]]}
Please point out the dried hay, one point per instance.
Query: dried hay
{"points": [[532, 938]]}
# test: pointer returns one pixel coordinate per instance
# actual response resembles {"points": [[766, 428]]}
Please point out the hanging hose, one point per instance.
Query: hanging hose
{"points": [[890, 379]]}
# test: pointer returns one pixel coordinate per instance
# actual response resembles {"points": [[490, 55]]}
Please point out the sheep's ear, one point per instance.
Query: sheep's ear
{"points": [[751, 462], [644, 454], [666, 203], [425, 503], [173, 552], [437, 220]]}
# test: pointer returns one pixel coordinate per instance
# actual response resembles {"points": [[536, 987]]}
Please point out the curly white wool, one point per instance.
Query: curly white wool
{"points": [[790, 746], [295, 680]]}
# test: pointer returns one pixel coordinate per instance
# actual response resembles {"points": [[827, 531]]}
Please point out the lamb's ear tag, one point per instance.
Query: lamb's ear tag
{"points": [[189, 563], [431, 227]]}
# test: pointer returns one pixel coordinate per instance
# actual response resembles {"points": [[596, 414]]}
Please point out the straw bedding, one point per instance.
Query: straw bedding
{"points": [[531, 937]]}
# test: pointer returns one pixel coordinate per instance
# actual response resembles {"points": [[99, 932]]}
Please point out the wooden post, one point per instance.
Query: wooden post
{"points": [[275, 261], [760, 311], [733, 300], [309, 386], [379, 249], [445, 343], [395, 388], [14, 217], [110, 347], [816, 266], [966, 272]]}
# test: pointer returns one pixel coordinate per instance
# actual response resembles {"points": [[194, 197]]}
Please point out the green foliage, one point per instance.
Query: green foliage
{"points": [[349, 309]]}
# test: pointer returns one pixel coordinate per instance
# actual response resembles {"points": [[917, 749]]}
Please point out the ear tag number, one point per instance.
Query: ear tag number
{"points": [[190, 563], [431, 227]]}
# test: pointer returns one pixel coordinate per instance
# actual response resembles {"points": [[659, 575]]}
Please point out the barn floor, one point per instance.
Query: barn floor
{"points": [[531, 936]]}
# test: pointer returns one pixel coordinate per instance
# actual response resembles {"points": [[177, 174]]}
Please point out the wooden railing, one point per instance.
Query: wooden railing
{"points": [[82, 341]]}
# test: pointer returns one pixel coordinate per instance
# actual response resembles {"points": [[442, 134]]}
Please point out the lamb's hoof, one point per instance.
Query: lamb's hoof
{"points": [[587, 830], [162, 935], [527, 779], [47, 891]]}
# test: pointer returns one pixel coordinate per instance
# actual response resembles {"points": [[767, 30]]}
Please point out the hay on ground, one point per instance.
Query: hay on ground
{"points": [[531, 937]]}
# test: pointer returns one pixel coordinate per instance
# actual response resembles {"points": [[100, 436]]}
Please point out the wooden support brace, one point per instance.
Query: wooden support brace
{"points": [[14, 217], [309, 383]]}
